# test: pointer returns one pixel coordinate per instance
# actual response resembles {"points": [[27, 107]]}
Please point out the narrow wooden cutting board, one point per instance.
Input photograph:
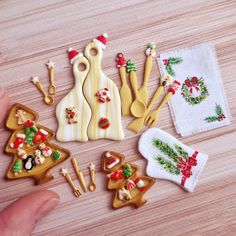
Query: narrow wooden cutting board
{"points": [[96, 81]]}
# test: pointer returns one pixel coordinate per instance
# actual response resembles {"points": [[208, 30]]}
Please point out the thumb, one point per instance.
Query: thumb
{"points": [[20, 217], [4, 103]]}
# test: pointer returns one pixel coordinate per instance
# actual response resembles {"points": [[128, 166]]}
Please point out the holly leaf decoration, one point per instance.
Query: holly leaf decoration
{"points": [[175, 60], [210, 119], [170, 70], [218, 117], [218, 110], [167, 165]]}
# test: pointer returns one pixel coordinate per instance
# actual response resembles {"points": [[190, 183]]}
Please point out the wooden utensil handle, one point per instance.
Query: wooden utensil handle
{"points": [[134, 83], [92, 174], [148, 68], [51, 75], [40, 88], [122, 71], [68, 178], [75, 165], [165, 100], [155, 97]]}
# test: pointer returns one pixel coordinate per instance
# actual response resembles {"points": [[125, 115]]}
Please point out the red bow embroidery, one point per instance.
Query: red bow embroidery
{"points": [[192, 84], [186, 165]]}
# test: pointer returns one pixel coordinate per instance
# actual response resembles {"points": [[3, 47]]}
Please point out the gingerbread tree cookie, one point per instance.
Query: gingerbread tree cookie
{"points": [[122, 176], [29, 144]]}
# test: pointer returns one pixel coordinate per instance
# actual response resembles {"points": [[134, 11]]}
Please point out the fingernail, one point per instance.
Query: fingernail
{"points": [[46, 207]]}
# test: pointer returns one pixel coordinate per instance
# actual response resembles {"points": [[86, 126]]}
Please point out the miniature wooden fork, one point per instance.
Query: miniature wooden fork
{"points": [[153, 116], [66, 174]]}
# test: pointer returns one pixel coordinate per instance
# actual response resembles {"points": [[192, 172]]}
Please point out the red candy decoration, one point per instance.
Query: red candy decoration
{"points": [[104, 123]]}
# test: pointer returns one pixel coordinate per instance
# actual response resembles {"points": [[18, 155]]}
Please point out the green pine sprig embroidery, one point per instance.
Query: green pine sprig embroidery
{"points": [[170, 62], [181, 151], [170, 165], [166, 149], [218, 117], [167, 165]]}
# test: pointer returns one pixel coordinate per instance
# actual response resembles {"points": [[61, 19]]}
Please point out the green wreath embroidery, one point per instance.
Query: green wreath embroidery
{"points": [[171, 61], [218, 117], [188, 87]]}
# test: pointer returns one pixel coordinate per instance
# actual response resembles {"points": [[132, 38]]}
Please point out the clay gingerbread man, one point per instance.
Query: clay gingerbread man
{"points": [[20, 114]]}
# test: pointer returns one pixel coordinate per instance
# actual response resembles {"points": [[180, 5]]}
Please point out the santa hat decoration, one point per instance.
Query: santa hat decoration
{"points": [[111, 160], [73, 55], [101, 40]]}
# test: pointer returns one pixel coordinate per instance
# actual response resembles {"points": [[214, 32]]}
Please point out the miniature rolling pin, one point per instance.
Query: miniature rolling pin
{"points": [[79, 174]]}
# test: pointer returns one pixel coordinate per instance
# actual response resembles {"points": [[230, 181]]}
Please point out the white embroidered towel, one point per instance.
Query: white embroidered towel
{"points": [[200, 103], [170, 159]]}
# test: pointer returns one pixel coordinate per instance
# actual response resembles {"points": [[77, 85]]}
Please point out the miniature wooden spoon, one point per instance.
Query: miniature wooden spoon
{"points": [[48, 99], [92, 185], [150, 53], [137, 124], [138, 107], [52, 87], [125, 92]]}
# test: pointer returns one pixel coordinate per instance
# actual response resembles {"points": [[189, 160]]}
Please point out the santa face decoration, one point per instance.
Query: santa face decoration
{"points": [[120, 60], [103, 95], [174, 87], [166, 80]]}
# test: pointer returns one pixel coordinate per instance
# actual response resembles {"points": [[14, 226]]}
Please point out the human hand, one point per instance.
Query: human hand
{"points": [[3, 103], [20, 217]]}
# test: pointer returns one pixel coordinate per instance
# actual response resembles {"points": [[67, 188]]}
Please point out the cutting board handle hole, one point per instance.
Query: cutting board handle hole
{"points": [[93, 51], [82, 67]]}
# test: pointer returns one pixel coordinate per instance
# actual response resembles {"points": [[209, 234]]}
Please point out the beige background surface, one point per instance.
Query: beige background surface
{"points": [[31, 32]]}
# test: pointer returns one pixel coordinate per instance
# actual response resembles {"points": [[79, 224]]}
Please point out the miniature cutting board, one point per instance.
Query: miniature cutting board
{"points": [[106, 116], [74, 102]]}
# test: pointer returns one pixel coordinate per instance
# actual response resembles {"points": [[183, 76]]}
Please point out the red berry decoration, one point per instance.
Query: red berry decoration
{"points": [[104, 123]]}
